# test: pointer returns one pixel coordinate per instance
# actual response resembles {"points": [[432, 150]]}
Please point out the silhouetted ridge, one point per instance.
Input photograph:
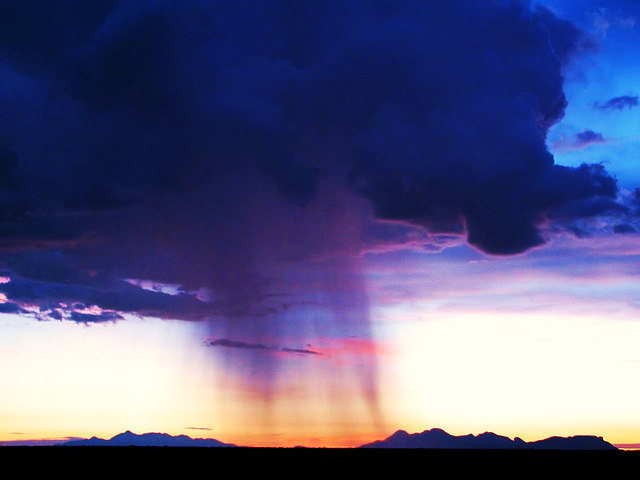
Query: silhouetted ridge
{"points": [[130, 439], [578, 442], [438, 438]]}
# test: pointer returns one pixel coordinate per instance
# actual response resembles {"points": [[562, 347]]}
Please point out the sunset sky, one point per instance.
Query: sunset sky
{"points": [[279, 223]]}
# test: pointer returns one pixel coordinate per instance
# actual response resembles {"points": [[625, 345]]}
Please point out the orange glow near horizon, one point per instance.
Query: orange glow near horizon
{"points": [[531, 375]]}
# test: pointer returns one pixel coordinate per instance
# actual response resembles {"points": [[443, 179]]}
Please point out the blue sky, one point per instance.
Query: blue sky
{"points": [[612, 72]]}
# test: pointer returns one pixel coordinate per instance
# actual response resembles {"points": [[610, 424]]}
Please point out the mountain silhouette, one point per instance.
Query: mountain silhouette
{"points": [[437, 438], [129, 439]]}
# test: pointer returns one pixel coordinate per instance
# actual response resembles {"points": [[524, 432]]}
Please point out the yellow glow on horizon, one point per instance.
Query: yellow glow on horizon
{"points": [[65, 379], [60, 378], [529, 375]]}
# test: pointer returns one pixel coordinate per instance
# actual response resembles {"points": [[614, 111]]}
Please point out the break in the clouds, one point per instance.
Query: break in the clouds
{"points": [[173, 159]]}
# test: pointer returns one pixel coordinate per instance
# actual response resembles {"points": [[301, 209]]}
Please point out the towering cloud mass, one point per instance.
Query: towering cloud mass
{"points": [[223, 160]]}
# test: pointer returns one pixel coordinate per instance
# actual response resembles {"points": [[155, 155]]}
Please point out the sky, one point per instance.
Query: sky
{"points": [[280, 223]]}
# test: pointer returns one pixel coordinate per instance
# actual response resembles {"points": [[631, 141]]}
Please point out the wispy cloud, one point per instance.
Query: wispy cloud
{"points": [[223, 342], [619, 103], [604, 19], [578, 141]]}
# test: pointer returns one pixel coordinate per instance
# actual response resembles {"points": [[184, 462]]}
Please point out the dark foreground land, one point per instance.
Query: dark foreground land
{"points": [[281, 462]]}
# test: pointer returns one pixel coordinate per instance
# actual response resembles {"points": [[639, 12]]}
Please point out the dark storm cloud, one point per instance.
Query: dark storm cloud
{"points": [[201, 143], [230, 161], [39, 37], [10, 307], [470, 152], [8, 161], [619, 103], [625, 228]]}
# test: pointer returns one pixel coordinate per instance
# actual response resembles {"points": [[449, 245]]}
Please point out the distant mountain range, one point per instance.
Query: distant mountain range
{"points": [[437, 438], [129, 439], [429, 439]]}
